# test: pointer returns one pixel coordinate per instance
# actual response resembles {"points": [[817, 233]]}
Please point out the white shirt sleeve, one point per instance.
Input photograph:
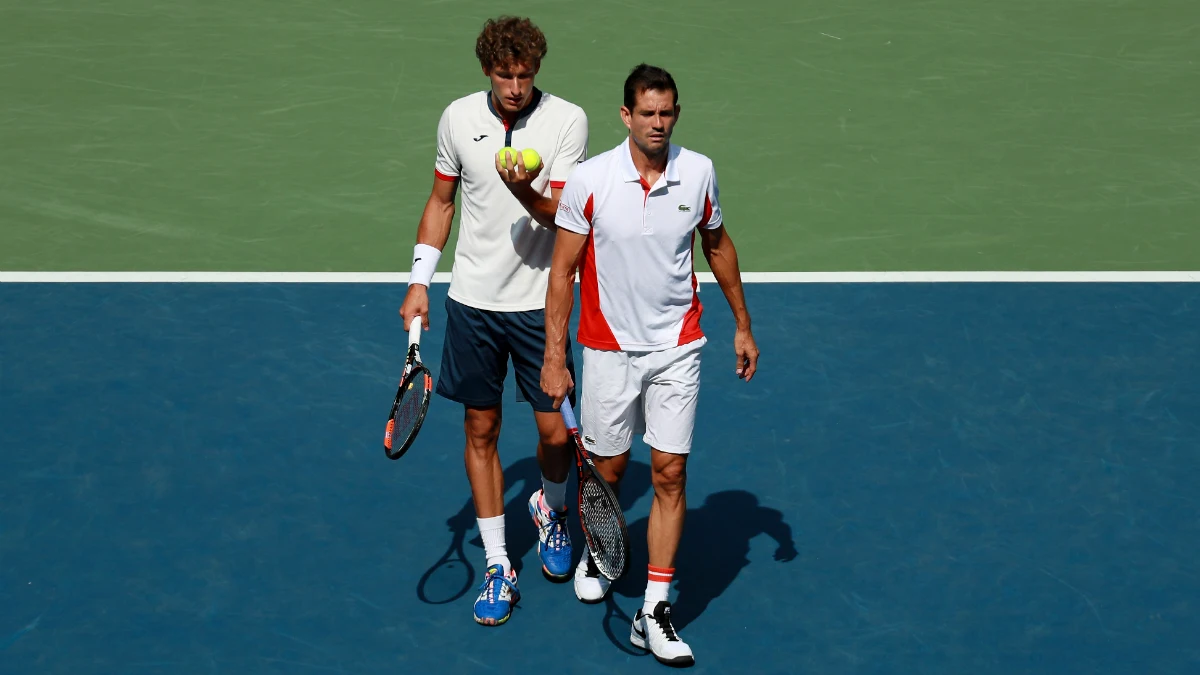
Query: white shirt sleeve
{"points": [[574, 206], [447, 164], [572, 149], [712, 195]]}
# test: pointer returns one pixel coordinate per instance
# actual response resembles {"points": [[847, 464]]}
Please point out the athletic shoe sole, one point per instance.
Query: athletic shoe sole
{"points": [[492, 622]]}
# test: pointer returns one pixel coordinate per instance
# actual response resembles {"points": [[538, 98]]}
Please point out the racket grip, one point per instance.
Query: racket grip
{"points": [[414, 331], [568, 416]]}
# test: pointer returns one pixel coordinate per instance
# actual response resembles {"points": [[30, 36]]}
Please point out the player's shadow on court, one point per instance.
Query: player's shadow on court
{"points": [[714, 549], [456, 574]]}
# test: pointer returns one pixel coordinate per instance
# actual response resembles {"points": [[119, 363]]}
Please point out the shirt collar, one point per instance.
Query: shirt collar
{"points": [[629, 172], [534, 101]]}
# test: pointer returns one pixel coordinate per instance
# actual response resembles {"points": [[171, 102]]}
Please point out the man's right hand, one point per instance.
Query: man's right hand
{"points": [[416, 303], [556, 381]]}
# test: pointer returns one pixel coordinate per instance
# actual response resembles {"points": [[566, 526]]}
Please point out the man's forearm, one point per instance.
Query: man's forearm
{"points": [[540, 207], [435, 225], [432, 234], [723, 261], [559, 298]]}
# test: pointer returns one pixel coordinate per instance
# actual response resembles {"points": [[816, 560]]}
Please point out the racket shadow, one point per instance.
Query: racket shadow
{"points": [[714, 550], [453, 576], [617, 624]]}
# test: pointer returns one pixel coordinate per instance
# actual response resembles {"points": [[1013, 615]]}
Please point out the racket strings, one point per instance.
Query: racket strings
{"points": [[408, 413], [603, 518]]}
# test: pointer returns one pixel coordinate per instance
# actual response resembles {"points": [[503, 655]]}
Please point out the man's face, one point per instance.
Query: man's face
{"points": [[512, 85], [652, 119]]}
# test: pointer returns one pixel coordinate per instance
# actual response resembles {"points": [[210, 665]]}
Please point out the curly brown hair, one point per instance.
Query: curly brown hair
{"points": [[508, 40]]}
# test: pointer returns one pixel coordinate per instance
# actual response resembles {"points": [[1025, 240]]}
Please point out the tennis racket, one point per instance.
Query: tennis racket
{"points": [[412, 398], [599, 512]]}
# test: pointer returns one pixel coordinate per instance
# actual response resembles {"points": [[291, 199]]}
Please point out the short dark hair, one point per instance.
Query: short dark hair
{"points": [[510, 39], [645, 77]]}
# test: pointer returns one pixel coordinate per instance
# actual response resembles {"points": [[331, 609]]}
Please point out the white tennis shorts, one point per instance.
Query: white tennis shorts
{"points": [[650, 393]]}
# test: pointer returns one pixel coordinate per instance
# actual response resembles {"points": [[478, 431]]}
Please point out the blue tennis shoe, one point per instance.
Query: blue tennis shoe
{"points": [[497, 596], [554, 541]]}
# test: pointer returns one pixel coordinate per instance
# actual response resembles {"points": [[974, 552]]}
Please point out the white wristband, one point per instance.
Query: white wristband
{"points": [[425, 260]]}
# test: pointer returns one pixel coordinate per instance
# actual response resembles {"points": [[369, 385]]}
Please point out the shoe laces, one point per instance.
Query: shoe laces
{"points": [[664, 624], [555, 529], [494, 589]]}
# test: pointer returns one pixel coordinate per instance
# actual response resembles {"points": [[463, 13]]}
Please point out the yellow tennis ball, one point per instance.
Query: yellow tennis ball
{"points": [[508, 157], [532, 159]]}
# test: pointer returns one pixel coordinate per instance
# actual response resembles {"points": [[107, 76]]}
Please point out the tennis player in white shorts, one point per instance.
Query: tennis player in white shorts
{"points": [[628, 219], [649, 393]]}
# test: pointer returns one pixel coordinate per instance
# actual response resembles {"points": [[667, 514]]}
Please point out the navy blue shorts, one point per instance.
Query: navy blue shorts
{"points": [[476, 351]]}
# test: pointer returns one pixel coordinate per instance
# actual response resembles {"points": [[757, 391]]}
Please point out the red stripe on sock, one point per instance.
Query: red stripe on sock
{"points": [[661, 573]]}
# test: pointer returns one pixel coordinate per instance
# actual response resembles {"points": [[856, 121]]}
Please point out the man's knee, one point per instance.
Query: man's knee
{"points": [[552, 433], [554, 437], [670, 477], [482, 429], [612, 469]]}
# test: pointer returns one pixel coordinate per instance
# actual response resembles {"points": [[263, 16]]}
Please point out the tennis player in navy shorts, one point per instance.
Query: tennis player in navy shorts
{"points": [[495, 310]]}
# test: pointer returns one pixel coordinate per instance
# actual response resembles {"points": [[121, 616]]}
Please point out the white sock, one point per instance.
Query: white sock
{"points": [[492, 532], [658, 587], [555, 494]]}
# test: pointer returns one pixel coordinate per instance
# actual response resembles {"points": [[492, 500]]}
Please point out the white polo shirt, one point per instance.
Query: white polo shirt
{"points": [[637, 282], [502, 255]]}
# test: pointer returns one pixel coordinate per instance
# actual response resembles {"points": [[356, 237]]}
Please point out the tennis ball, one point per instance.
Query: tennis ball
{"points": [[508, 157], [532, 159]]}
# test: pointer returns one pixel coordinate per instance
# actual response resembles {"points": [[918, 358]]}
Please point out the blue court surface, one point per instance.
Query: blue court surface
{"points": [[925, 478]]}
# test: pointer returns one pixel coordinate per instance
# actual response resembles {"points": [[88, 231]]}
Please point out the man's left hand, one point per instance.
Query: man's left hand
{"points": [[747, 353]]}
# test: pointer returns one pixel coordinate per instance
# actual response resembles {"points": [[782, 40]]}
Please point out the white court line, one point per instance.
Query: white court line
{"points": [[705, 277]]}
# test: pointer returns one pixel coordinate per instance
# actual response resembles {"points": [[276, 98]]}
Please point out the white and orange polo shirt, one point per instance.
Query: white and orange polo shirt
{"points": [[638, 283]]}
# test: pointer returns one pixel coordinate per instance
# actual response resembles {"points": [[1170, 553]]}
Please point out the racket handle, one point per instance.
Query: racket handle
{"points": [[568, 416], [414, 331]]}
